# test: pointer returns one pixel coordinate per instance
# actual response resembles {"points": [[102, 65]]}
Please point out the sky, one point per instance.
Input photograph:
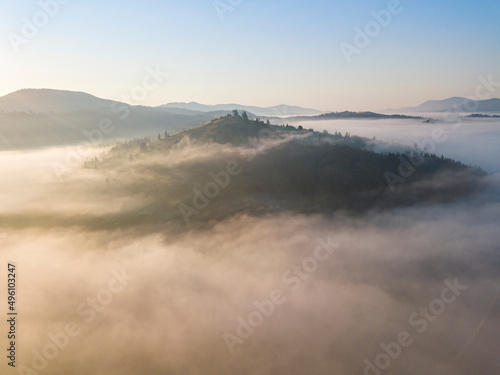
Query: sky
{"points": [[253, 52]]}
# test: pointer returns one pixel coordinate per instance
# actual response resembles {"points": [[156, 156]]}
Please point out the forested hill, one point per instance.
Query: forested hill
{"points": [[238, 166], [239, 130], [233, 166]]}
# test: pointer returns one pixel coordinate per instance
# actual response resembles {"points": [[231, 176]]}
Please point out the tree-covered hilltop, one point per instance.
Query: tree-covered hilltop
{"points": [[235, 129], [240, 130]]}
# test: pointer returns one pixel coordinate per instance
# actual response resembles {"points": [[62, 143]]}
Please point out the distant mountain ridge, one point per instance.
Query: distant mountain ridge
{"points": [[351, 115], [279, 110], [64, 101], [454, 104], [49, 100], [34, 118]]}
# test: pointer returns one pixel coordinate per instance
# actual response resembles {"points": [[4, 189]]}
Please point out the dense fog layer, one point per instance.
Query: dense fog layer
{"points": [[275, 294], [472, 141]]}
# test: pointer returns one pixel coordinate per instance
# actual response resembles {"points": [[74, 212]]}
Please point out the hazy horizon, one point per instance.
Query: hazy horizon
{"points": [[251, 239], [202, 107]]}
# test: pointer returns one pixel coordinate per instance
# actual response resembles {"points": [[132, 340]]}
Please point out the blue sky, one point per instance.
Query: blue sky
{"points": [[263, 52]]}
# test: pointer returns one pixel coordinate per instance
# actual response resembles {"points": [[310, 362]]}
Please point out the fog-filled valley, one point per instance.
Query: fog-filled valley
{"points": [[472, 141], [229, 187], [276, 274]]}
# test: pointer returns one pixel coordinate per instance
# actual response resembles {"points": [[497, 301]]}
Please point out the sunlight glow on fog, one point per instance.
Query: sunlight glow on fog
{"points": [[25, 173], [190, 289]]}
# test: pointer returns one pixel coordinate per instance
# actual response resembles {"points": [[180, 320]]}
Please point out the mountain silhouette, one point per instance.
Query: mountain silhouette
{"points": [[279, 110], [455, 104], [51, 101]]}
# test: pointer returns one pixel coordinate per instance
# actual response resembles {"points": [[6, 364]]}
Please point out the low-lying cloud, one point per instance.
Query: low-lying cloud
{"points": [[155, 302]]}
